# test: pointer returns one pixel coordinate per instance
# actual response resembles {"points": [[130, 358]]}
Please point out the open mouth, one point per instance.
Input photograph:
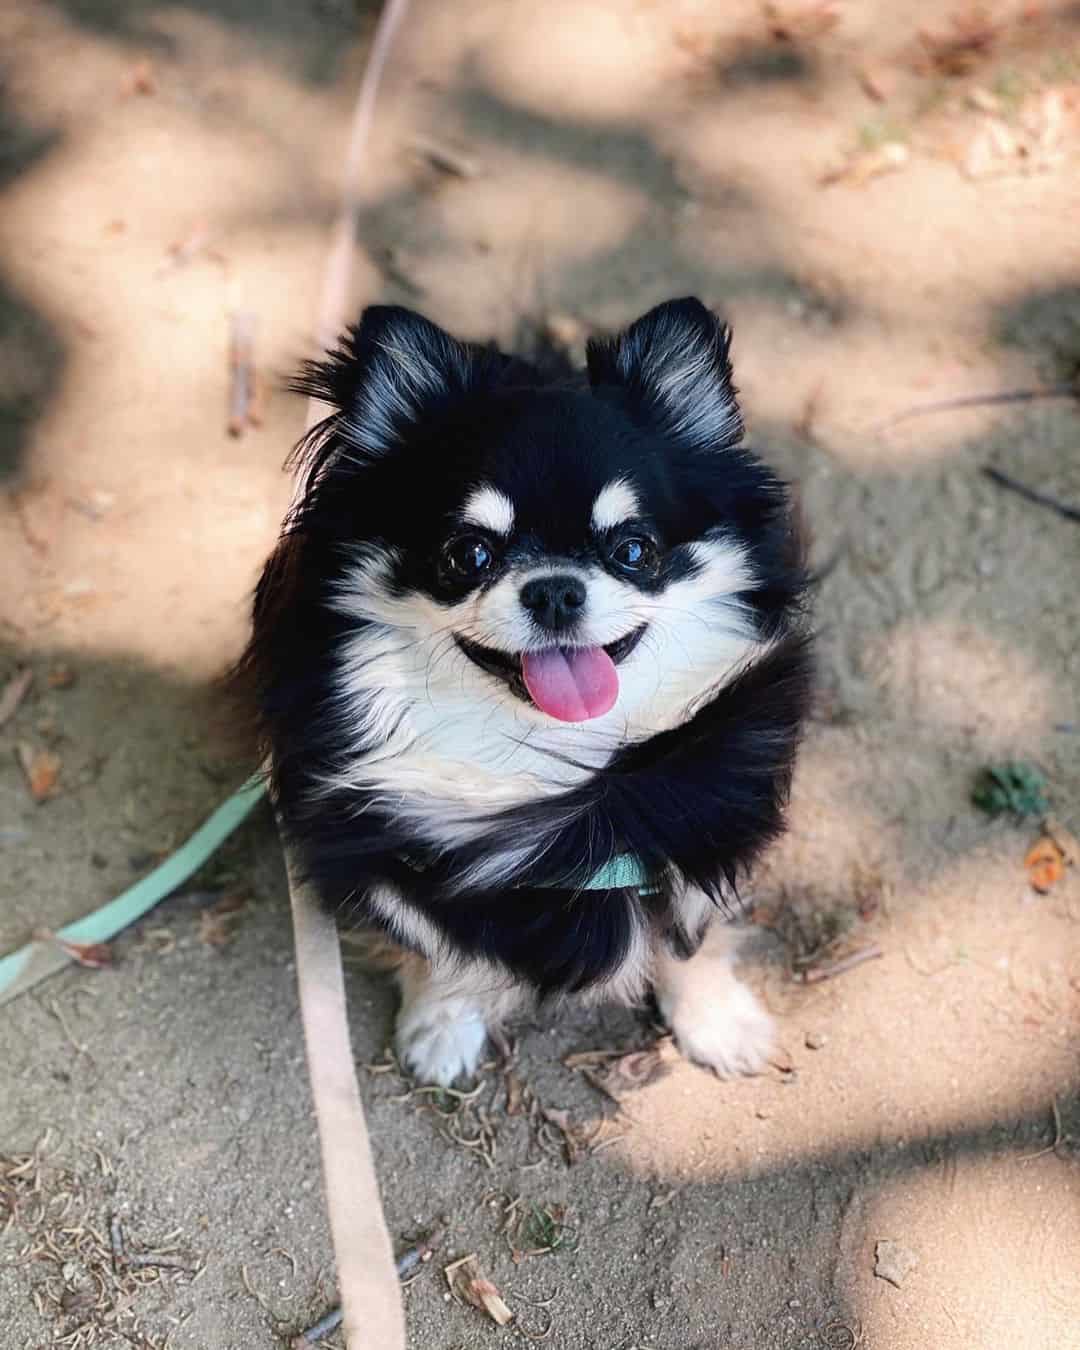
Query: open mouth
{"points": [[573, 684]]}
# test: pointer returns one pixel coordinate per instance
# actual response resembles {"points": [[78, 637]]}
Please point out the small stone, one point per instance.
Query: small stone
{"points": [[815, 1040], [893, 1261]]}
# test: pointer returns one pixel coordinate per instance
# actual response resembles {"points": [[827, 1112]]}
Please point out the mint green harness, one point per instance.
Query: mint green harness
{"points": [[623, 872]]}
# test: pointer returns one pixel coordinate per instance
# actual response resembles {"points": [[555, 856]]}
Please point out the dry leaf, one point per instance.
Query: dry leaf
{"points": [[877, 82], [575, 1139], [14, 692], [94, 955], [42, 771], [515, 1095], [140, 79], [60, 677], [868, 164], [467, 1281], [972, 39], [983, 100], [803, 23], [1045, 864], [214, 920], [446, 158], [618, 1071], [893, 1261]]}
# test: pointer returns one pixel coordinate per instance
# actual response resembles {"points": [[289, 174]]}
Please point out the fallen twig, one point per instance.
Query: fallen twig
{"points": [[818, 973], [92, 955], [162, 1260], [125, 1260], [241, 370], [1030, 494], [444, 157], [421, 1253], [14, 692], [406, 1263], [322, 1328], [1059, 1136], [1070, 390], [116, 1236], [41, 769]]}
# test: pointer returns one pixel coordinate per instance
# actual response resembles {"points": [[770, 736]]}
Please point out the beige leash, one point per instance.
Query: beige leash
{"points": [[367, 1281]]}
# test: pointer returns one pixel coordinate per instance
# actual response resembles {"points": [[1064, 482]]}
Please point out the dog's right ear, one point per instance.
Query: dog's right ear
{"points": [[390, 371], [673, 367]]}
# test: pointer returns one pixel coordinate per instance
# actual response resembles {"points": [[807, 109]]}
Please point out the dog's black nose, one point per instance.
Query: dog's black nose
{"points": [[554, 602]]}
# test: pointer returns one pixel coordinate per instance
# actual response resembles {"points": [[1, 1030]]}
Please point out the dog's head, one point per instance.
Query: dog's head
{"points": [[503, 555]]}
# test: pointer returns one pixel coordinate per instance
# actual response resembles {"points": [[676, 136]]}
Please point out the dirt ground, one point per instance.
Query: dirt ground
{"points": [[887, 220]]}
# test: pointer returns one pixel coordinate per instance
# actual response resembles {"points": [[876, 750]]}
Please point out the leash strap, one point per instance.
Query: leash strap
{"points": [[22, 969]]}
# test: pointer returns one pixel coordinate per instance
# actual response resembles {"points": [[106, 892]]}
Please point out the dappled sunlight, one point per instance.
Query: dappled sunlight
{"points": [[953, 677], [616, 155], [588, 61], [990, 1238], [972, 1011]]}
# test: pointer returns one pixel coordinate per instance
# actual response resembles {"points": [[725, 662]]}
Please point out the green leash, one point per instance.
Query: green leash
{"points": [[25, 967]]}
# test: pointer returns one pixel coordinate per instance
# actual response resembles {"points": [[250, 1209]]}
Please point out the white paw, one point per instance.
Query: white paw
{"points": [[437, 1048], [729, 1033]]}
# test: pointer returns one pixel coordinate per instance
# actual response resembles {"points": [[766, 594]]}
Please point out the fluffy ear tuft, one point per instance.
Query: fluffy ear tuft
{"points": [[673, 363], [388, 371]]}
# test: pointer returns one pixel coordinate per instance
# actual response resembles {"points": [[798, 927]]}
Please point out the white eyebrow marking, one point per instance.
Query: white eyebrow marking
{"points": [[614, 504], [490, 509]]}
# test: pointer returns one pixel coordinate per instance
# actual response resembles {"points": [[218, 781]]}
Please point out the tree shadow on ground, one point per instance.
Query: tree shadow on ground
{"points": [[308, 38], [32, 354]]}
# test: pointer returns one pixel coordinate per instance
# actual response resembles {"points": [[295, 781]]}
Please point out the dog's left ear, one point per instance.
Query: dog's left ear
{"points": [[673, 366], [390, 371]]}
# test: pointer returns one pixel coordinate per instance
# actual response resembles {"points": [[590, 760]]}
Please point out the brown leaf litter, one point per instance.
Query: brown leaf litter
{"points": [[1056, 849], [92, 955], [616, 1072], [469, 1284], [14, 692], [860, 167], [52, 1224], [970, 38], [41, 769], [817, 940], [216, 920]]}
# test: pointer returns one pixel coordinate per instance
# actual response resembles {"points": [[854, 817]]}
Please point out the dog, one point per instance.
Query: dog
{"points": [[529, 665]]}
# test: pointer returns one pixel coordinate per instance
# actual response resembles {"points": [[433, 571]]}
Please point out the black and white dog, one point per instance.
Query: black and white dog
{"points": [[530, 663]]}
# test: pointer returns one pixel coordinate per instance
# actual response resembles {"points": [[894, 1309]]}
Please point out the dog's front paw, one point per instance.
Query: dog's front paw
{"points": [[729, 1032], [437, 1048]]}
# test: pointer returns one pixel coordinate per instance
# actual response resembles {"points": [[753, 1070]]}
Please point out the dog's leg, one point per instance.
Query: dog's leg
{"points": [[715, 1019], [442, 1026]]}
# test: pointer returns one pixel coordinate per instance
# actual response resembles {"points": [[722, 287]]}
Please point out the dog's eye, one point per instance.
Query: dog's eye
{"points": [[634, 554], [468, 557]]}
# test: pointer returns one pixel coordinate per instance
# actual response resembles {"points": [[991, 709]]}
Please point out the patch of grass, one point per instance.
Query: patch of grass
{"points": [[1014, 787], [544, 1229], [880, 131], [1063, 67], [1010, 87]]}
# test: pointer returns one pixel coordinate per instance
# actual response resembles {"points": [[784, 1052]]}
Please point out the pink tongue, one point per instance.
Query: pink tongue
{"points": [[572, 683]]}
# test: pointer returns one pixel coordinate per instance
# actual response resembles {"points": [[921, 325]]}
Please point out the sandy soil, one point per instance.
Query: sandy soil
{"points": [[625, 152]]}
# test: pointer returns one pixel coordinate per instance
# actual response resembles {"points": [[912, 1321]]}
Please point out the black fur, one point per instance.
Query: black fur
{"points": [[697, 803]]}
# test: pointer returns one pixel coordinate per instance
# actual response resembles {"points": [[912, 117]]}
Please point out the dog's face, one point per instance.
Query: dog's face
{"points": [[524, 568]]}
